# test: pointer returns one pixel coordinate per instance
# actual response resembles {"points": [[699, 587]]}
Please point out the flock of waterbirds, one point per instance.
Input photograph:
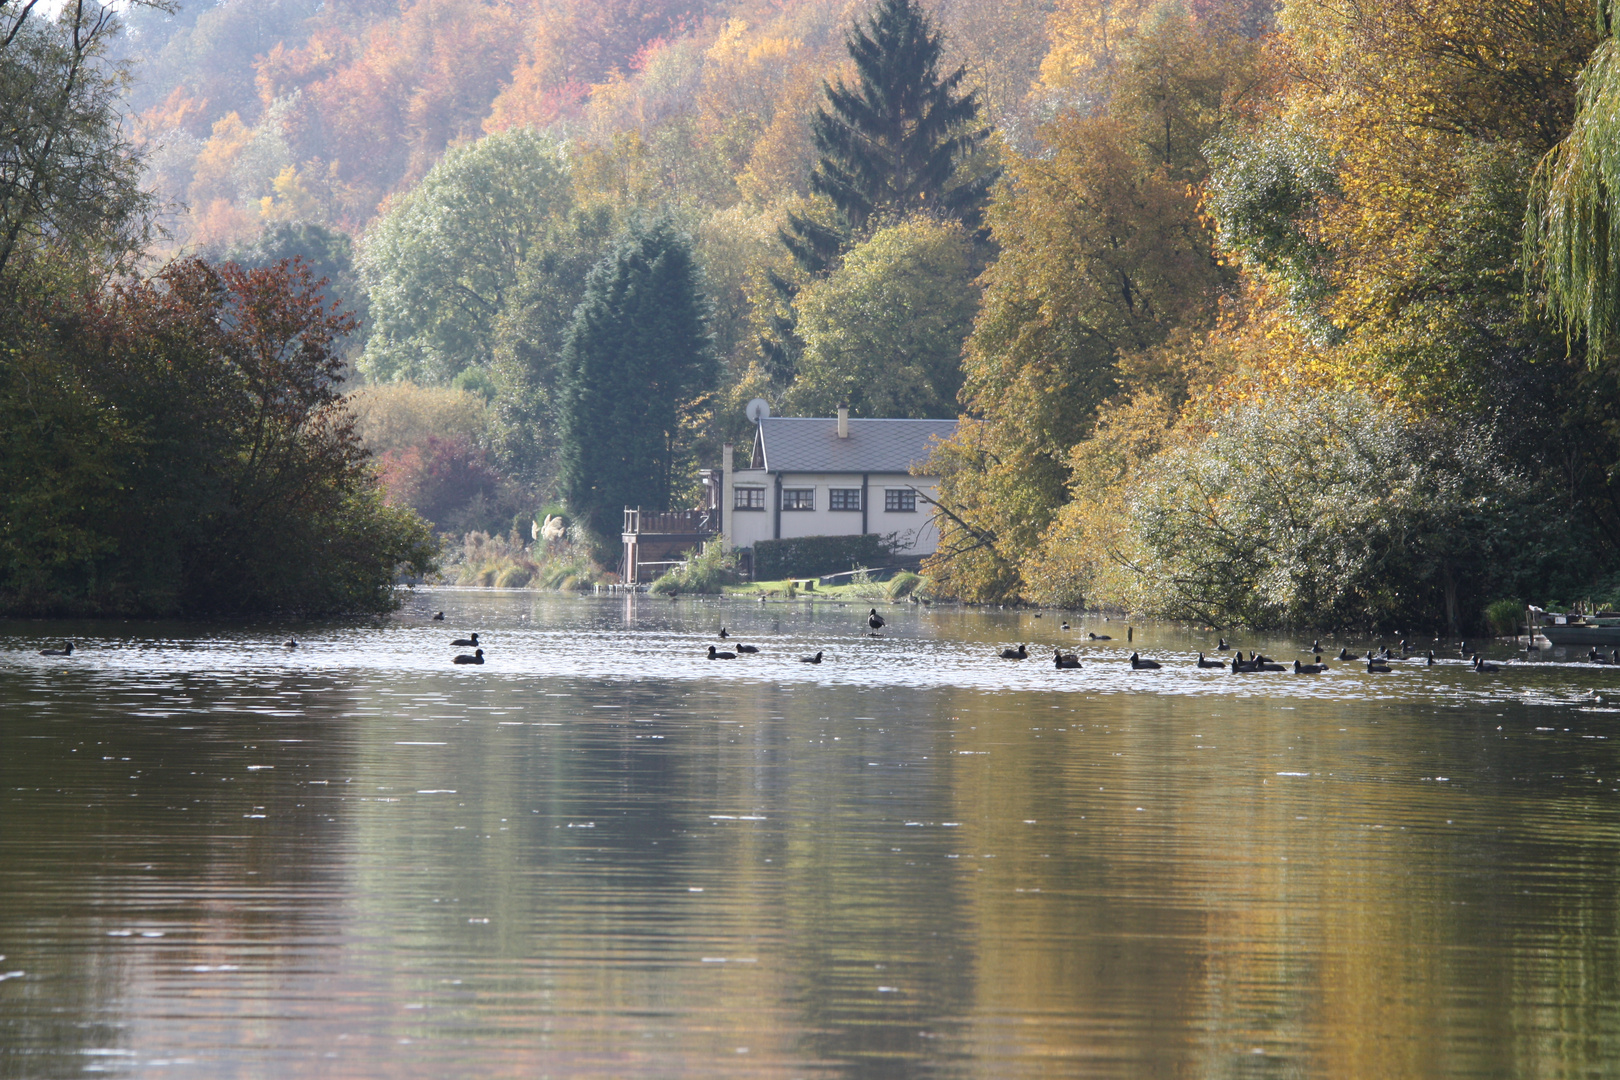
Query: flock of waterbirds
{"points": [[1379, 660]]}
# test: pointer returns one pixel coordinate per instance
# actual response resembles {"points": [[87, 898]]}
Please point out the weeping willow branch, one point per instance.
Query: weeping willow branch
{"points": [[1571, 248]]}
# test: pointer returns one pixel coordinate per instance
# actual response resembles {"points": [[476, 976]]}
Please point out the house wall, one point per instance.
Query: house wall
{"points": [[917, 531]]}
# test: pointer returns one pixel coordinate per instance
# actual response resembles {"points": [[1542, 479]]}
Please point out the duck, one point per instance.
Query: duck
{"points": [[1061, 659], [1376, 668], [465, 642], [1316, 646], [438, 616], [1065, 626], [715, 654], [1208, 663], [1346, 654], [1263, 664], [747, 648], [1222, 646], [65, 650], [724, 633], [1484, 668], [816, 659], [1100, 637], [875, 621], [1431, 658], [476, 658], [1310, 669], [289, 644], [1019, 653], [1139, 664]]}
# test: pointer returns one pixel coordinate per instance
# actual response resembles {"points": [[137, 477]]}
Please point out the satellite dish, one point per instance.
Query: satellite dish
{"points": [[759, 409]]}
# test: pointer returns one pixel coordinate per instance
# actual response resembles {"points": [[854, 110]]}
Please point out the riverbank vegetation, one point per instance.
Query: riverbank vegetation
{"points": [[1256, 312]]}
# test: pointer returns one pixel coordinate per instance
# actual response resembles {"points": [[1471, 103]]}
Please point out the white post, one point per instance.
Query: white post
{"points": [[727, 502]]}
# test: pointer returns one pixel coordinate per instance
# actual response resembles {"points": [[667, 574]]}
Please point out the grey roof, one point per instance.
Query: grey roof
{"points": [[812, 445]]}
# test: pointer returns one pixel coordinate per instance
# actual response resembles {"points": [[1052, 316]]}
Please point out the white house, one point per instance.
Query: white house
{"points": [[821, 476]]}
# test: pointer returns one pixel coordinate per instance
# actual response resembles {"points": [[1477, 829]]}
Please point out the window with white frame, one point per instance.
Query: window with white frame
{"points": [[748, 498], [900, 500], [798, 498], [843, 498]]}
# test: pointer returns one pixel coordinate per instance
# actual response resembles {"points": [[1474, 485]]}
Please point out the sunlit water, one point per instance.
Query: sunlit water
{"points": [[601, 854]]}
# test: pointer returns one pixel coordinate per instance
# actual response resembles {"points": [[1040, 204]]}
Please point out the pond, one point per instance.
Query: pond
{"points": [[601, 854]]}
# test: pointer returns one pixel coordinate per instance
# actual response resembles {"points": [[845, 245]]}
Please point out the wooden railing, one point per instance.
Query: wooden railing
{"points": [[682, 522]]}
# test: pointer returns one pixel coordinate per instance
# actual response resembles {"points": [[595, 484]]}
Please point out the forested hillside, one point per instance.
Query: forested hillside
{"points": [[1259, 313]]}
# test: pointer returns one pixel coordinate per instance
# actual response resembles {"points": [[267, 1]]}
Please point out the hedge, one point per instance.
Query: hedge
{"points": [[812, 556]]}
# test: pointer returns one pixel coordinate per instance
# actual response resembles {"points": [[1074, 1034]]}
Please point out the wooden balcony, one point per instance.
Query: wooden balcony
{"points": [[694, 523]]}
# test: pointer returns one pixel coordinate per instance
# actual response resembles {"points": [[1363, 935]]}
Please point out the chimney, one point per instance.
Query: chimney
{"points": [[843, 421]]}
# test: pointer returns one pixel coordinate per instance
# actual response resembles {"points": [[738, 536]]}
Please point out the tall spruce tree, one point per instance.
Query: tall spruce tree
{"points": [[636, 357], [891, 144]]}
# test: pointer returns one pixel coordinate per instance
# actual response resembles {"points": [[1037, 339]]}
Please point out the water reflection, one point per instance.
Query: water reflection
{"points": [[603, 855]]}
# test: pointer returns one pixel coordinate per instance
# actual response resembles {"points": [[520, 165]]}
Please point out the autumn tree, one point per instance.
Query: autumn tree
{"points": [[1101, 253], [227, 477]]}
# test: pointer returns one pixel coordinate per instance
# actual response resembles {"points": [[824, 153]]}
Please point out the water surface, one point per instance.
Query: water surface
{"points": [[601, 854]]}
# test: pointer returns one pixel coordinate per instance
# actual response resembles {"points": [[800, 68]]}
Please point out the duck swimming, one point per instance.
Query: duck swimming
{"points": [[1484, 668], [1099, 637], [438, 616], [1310, 669], [65, 650], [476, 658], [724, 633], [1374, 667], [289, 644], [1019, 653], [1062, 660], [816, 659], [466, 642], [747, 649], [1208, 663], [1139, 664], [1346, 654], [1222, 646], [714, 654]]}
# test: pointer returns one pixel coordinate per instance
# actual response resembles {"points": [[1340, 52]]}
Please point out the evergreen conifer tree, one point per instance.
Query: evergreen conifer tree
{"points": [[636, 355], [891, 144]]}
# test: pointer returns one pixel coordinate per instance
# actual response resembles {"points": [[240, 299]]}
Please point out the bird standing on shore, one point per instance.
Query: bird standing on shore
{"points": [[874, 620]]}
